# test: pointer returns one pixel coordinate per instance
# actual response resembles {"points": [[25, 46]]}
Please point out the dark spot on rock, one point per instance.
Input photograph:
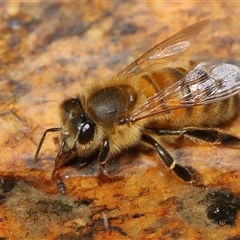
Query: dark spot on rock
{"points": [[50, 9], [129, 28], [55, 207], [137, 215], [74, 236], [2, 199], [119, 230], [7, 184], [86, 201], [237, 237], [13, 41], [222, 206]]}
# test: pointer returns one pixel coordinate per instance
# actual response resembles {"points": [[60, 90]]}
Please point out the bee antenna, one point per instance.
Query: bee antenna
{"points": [[42, 140]]}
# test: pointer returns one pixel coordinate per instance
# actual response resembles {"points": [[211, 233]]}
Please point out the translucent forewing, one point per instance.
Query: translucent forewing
{"points": [[166, 51]]}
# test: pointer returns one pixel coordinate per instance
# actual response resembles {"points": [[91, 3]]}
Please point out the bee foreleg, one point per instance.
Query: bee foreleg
{"points": [[103, 158], [103, 155], [61, 157], [180, 171]]}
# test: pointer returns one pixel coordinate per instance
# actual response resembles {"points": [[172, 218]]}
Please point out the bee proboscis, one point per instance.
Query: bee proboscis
{"points": [[148, 102]]}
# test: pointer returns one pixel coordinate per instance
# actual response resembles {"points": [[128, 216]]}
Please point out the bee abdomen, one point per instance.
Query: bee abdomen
{"points": [[217, 113]]}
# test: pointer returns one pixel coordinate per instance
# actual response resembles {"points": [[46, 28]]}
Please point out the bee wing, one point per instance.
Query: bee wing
{"points": [[205, 83], [166, 51]]}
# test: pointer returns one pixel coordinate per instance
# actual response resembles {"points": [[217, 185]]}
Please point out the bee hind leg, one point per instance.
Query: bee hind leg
{"points": [[212, 136], [180, 171]]}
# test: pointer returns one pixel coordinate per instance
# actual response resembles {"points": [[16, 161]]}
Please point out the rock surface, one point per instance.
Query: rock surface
{"points": [[50, 51]]}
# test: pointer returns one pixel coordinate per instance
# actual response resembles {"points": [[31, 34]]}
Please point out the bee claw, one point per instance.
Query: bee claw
{"points": [[61, 186]]}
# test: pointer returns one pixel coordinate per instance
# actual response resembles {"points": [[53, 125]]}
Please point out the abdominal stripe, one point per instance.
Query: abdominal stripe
{"points": [[156, 90], [154, 85]]}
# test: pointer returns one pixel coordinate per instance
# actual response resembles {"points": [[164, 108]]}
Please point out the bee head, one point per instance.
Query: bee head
{"points": [[76, 124]]}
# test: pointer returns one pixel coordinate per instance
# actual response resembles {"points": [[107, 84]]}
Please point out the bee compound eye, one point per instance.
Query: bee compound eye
{"points": [[86, 133]]}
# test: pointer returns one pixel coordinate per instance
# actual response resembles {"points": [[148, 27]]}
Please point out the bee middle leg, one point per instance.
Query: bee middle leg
{"points": [[180, 171], [199, 135]]}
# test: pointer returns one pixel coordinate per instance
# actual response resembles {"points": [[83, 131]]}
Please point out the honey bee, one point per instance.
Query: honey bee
{"points": [[148, 102]]}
